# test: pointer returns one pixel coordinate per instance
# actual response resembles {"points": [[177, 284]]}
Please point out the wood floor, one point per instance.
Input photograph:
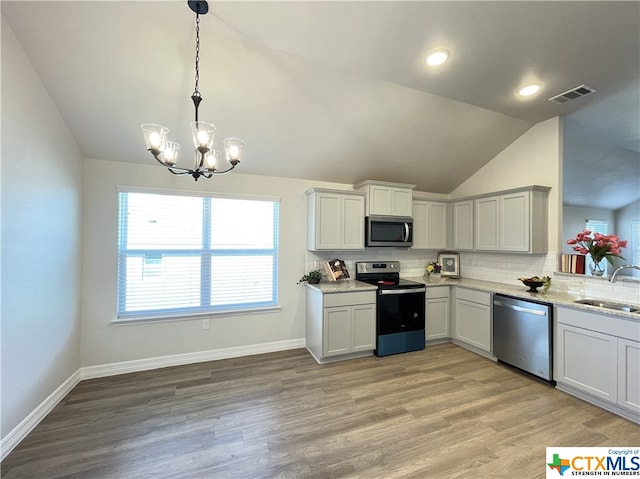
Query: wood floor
{"points": [[439, 413]]}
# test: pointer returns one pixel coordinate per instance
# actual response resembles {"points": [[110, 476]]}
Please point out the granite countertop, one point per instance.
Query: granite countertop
{"points": [[342, 286], [558, 298]]}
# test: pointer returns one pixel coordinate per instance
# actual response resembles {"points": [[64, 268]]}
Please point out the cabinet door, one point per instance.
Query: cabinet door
{"points": [[486, 225], [401, 201], [473, 324], [463, 225], [380, 200], [363, 327], [587, 361], [629, 374], [436, 225], [514, 222], [327, 226], [352, 223], [437, 318], [337, 330], [420, 227]]}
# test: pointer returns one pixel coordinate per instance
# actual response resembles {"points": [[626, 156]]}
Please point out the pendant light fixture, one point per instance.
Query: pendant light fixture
{"points": [[207, 161]]}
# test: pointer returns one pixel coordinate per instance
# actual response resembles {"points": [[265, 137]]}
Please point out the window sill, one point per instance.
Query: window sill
{"points": [[146, 319]]}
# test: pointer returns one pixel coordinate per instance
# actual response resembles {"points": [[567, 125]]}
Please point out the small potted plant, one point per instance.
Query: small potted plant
{"points": [[312, 277]]}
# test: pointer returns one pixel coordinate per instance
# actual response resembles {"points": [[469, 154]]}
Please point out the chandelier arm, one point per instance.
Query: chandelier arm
{"points": [[216, 172], [182, 171]]}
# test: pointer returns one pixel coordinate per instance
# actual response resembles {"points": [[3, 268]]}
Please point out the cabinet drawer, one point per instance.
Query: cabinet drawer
{"points": [[603, 323], [437, 292], [349, 299], [474, 296]]}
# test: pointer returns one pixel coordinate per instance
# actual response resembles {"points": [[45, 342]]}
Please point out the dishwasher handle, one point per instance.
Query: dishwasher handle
{"points": [[497, 302]]}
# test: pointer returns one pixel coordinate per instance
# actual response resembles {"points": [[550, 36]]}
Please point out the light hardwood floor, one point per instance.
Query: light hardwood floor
{"points": [[439, 413]]}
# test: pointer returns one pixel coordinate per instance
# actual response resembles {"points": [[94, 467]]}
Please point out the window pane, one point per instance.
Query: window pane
{"points": [[242, 224], [243, 280], [163, 222], [169, 282]]}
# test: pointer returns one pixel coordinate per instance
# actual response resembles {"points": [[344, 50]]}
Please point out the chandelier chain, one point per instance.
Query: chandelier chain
{"points": [[196, 92]]}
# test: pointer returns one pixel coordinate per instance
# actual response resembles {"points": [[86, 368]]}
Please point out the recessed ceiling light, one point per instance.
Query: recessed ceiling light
{"points": [[529, 90], [437, 57]]}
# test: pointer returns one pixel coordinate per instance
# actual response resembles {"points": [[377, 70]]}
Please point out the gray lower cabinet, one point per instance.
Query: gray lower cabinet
{"points": [[597, 358], [472, 319], [437, 313], [340, 325]]}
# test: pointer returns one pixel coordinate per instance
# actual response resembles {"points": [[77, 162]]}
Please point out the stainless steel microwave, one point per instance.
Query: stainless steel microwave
{"points": [[389, 231]]}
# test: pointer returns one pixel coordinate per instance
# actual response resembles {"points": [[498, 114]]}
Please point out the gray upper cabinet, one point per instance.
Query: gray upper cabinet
{"points": [[512, 222], [386, 199], [335, 220], [462, 222], [430, 223]]}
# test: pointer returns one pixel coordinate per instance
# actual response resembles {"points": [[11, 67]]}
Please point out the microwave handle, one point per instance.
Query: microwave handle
{"points": [[405, 238]]}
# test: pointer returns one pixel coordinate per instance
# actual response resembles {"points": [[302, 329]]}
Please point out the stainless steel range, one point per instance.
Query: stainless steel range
{"points": [[400, 313]]}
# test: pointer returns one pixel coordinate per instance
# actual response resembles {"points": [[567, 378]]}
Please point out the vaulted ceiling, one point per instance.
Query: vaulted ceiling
{"points": [[335, 91]]}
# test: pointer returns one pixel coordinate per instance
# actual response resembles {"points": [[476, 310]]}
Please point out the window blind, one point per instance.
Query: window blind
{"points": [[185, 255]]}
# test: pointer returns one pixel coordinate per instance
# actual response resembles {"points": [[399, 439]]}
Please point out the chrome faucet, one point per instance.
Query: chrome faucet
{"points": [[612, 278]]}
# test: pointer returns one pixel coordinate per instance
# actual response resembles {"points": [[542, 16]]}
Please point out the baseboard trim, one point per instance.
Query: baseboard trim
{"points": [[124, 367], [613, 408], [18, 433]]}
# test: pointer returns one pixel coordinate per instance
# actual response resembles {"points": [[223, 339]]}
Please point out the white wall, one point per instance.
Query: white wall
{"points": [[535, 158], [104, 343], [41, 233]]}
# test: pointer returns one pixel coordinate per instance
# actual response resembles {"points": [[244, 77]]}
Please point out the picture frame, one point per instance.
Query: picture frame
{"points": [[450, 262]]}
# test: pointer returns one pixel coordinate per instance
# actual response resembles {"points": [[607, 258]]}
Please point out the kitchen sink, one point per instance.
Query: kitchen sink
{"points": [[628, 308]]}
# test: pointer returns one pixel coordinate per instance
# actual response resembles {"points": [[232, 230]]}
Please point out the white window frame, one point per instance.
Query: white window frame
{"points": [[124, 317], [635, 246]]}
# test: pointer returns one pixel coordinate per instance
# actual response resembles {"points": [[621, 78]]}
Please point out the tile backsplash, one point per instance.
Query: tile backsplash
{"points": [[496, 267]]}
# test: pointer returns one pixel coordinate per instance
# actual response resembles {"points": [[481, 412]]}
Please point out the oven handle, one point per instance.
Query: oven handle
{"points": [[401, 291]]}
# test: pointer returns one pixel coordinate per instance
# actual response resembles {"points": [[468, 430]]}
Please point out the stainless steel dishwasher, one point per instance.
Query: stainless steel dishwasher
{"points": [[523, 335]]}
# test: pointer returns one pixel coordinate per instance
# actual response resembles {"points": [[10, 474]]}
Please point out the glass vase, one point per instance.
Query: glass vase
{"points": [[597, 268]]}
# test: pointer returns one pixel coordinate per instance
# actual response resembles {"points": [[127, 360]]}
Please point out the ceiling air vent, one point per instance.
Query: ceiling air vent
{"points": [[572, 94]]}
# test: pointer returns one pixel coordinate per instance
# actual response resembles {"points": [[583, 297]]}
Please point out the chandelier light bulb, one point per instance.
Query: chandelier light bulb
{"points": [[154, 140], [170, 153], [203, 138]]}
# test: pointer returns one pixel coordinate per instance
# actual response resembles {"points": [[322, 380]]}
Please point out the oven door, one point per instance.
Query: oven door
{"points": [[400, 310]]}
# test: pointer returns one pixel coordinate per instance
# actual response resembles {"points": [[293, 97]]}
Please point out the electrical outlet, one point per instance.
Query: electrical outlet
{"points": [[206, 323]]}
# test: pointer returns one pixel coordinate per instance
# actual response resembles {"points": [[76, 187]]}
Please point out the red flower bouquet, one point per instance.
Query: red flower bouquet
{"points": [[599, 246]]}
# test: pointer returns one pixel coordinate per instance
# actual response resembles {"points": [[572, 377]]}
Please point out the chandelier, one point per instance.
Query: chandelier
{"points": [[207, 160]]}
